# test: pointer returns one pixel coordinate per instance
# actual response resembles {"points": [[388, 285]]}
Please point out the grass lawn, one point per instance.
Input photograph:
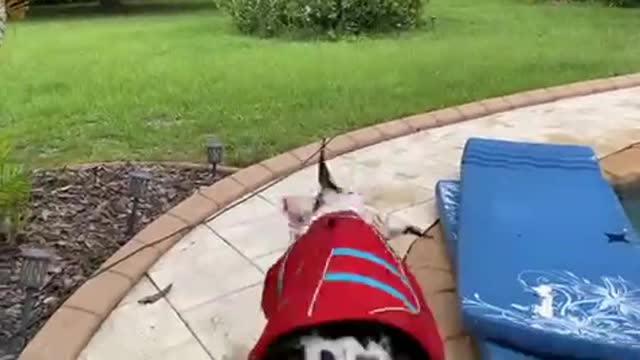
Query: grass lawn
{"points": [[151, 86]]}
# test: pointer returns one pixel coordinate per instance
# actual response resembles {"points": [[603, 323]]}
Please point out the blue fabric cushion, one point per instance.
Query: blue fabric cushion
{"points": [[546, 257], [447, 202], [492, 351]]}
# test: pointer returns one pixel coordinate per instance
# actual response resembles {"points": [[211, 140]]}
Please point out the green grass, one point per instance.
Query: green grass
{"points": [[152, 86]]}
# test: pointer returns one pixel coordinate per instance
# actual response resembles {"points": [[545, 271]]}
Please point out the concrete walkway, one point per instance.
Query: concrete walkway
{"points": [[213, 310]]}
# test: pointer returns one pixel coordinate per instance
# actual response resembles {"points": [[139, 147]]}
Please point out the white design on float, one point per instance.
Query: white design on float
{"points": [[450, 193], [545, 293], [607, 312]]}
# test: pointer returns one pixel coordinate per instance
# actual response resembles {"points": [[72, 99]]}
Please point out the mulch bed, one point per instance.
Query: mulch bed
{"points": [[80, 216]]}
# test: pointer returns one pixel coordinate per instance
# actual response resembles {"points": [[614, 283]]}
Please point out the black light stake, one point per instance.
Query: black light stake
{"points": [[138, 183], [33, 274], [215, 150]]}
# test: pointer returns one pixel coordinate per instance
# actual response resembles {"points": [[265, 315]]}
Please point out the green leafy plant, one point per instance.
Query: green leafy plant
{"points": [[330, 18], [15, 192], [614, 3], [623, 3]]}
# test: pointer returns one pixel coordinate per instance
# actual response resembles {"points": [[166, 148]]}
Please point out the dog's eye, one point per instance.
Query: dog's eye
{"points": [[326, 355]]}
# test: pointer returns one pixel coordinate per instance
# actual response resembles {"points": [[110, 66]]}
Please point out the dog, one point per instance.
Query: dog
{"points": [[339, 292]]}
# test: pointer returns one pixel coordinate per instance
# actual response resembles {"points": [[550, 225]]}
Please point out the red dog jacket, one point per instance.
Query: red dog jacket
{"points": [[342, 269]]}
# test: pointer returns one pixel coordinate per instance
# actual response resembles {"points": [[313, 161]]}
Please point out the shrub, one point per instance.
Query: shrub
{"points": [[616, 3], [623, 3], [324, 17], [15, 190]]}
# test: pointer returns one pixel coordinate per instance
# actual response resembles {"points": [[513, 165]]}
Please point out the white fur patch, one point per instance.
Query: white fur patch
{"points": [[300, 213], [345, 348]]}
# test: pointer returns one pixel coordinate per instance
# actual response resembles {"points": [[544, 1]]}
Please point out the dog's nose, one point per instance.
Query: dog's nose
{"points": [[326, 355]]}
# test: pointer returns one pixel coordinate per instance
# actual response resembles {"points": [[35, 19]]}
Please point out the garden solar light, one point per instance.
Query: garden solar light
{"points": [[215, 150], [34, 268], [5, 273], [33, 274], [138, 183]]}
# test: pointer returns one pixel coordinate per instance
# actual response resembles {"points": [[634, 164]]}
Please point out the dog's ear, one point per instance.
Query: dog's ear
{"points": [[324, 175], [299, 210]]}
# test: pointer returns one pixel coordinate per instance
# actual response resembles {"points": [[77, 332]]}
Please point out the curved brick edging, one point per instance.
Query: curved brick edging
{"points": [[71, 327]]}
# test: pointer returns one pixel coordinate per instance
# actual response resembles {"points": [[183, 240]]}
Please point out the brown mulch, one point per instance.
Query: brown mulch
{"points": [[80, 216]]}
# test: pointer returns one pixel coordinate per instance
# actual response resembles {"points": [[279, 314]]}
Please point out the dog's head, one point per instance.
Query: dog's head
{"points": [[301, 211], [331, 198]]}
